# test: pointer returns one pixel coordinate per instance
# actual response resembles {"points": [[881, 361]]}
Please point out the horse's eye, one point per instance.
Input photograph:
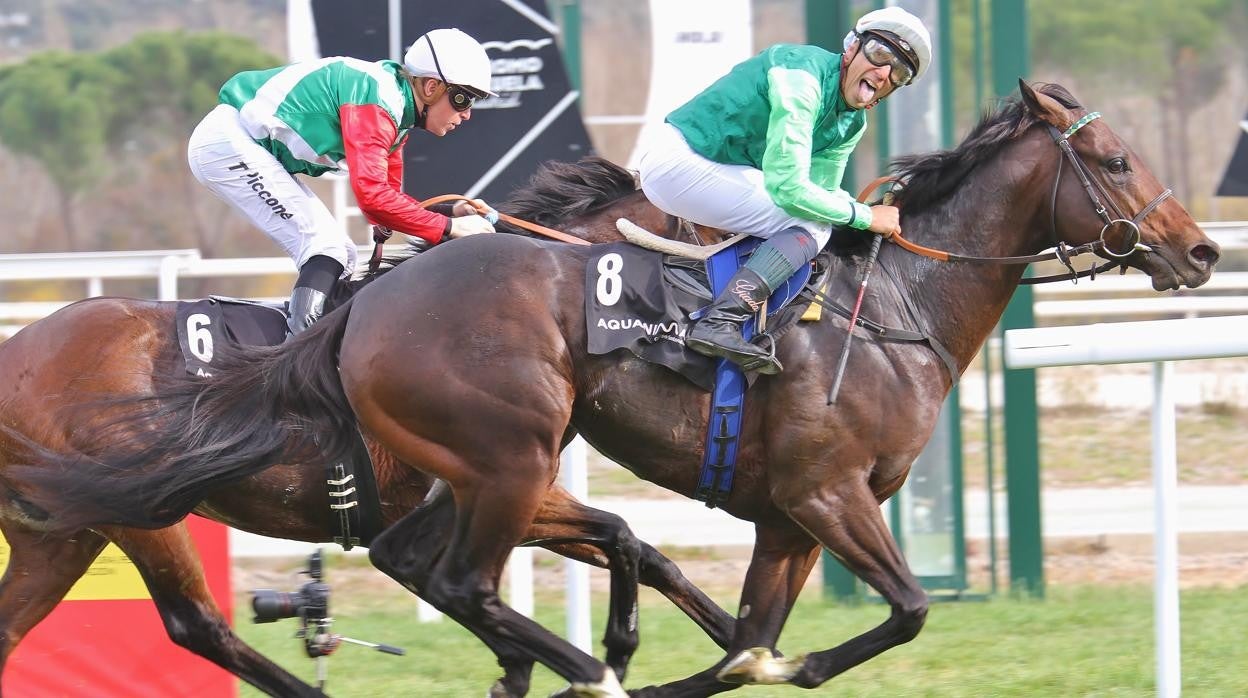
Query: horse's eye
{"points": [[1117, 165]]}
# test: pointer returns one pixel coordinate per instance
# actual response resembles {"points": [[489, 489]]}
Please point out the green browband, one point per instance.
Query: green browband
{"points": [[1087, 119]]}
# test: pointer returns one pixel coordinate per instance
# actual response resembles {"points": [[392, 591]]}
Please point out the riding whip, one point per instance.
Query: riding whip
{"points": [[862, 289], [853, 319]]}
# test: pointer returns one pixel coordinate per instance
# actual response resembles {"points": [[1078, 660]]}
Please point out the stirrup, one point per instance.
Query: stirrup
{"points": [[763, 363]]}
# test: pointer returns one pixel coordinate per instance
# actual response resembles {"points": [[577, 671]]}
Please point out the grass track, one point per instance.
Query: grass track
{"points": [[1082, 641]]}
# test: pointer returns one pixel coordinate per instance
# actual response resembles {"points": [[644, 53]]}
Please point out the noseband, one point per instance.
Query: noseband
{"points": [[1131, 240]]}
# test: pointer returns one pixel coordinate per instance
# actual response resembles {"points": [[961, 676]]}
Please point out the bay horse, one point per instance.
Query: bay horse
{"points": [[478, 383], [54, 371]]}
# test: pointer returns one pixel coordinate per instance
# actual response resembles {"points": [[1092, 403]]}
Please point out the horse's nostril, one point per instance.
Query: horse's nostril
{"points": [[1205, 254]]}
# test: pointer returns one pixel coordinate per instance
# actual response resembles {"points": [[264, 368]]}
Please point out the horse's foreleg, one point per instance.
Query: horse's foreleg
{"points": [[563, 519], [782, 560], [848, 522], [171, 568], [41, 570]]}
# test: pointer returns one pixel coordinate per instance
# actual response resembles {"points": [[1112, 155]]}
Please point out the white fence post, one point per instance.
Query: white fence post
{"points": [[1165, 536], [576, 481], [520, 574]]}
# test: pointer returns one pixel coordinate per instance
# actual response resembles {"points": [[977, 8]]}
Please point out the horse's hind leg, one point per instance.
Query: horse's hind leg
{"points": [[562, 519], [782, 560], [41, 570], [171, 568], [854, 531]]}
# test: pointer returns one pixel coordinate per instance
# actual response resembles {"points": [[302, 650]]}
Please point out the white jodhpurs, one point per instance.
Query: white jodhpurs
{"points": [[235, 168], [729, 197]]}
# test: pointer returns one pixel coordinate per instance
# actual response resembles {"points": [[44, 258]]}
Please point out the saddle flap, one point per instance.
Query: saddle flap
{"points": [[642, 301]]}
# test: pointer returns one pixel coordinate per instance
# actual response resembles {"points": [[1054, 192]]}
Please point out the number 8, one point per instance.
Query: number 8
{"points": [[610, 285]]}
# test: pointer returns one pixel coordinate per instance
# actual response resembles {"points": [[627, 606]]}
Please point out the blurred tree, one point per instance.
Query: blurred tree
{"points": [[1175, 51], [77, 115], [55, 109], [172, 80]]}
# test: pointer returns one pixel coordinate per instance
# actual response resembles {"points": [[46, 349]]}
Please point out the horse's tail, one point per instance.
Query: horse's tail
{"points": [[153, 465]]}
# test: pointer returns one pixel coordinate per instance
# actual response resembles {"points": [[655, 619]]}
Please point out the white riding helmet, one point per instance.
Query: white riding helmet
{"points": [[451, 56], [905, 26]]}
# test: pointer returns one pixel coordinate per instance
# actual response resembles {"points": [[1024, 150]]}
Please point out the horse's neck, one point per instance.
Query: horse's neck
{"points": [[961, 302]]}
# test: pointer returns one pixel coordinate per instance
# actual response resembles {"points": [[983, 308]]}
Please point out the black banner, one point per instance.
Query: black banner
{"points": [[1235, 181], [535, 118]]}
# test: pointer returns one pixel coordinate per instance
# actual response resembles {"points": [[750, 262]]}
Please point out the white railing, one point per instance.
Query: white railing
{"points": [[1160, 342], [1116, 296]]}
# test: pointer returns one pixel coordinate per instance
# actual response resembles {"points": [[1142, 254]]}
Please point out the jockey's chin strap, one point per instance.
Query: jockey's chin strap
{"points": [[381, 234]]}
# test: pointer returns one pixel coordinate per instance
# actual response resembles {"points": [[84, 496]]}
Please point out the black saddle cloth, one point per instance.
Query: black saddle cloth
{"points": [[206, 324]]}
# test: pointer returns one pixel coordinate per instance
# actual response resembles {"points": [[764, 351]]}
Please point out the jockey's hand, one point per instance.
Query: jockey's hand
{"points": [[885, 221], [462, 226], [475, 207]]}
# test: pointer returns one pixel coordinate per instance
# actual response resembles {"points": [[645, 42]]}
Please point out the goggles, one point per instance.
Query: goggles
{"points": [[461, 97], [881, 52]]}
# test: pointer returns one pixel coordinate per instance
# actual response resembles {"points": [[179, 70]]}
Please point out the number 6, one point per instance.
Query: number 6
{"points": [[199, 337]]}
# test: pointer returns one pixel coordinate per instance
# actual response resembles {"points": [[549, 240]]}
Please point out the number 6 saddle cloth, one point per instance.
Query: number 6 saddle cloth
{"points": [[206, 324]]}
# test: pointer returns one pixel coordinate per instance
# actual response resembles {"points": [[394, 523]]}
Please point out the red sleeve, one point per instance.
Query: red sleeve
{"points": [[367, 132], [396, 166]]}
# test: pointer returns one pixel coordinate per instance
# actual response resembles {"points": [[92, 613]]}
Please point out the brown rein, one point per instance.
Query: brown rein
{"points": [[381, 235], [1062, 252]]}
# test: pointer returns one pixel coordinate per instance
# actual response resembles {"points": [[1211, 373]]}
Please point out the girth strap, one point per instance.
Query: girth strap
{"points": [[894, 334], [354, 500]]}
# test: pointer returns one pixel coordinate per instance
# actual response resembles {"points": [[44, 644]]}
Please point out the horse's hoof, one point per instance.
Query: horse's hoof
{"points": [[608, 687], [757, 666]]}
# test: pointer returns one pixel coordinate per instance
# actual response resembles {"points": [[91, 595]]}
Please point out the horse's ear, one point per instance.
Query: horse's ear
{"points": [[1044, 107]]}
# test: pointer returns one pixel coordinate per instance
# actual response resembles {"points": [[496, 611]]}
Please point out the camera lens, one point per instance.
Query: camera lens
{"points": [[270, 605]]}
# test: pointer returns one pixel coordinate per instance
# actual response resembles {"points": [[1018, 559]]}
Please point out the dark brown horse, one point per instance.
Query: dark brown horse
{"points": [[479, 384], [54, 370]]}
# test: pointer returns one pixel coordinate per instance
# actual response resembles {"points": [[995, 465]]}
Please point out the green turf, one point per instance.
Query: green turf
{"points": [[1086, 641]]}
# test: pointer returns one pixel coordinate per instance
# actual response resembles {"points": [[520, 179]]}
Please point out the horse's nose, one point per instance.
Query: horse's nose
{"points": [[1204, 255]]}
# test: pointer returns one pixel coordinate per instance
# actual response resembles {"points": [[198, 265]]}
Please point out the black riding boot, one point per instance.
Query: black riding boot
{"points": [[718, 332], [307, 300]]}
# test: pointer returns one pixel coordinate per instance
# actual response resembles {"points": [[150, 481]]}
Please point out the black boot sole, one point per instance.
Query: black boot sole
{"points": [[763, 363]]}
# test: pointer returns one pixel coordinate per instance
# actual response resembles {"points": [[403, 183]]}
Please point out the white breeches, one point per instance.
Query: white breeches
{"points": [[729, 197], [235, 168]]}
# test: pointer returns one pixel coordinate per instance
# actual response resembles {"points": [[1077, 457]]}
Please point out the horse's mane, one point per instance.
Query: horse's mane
{"points": [[930, 177], [559, 191], [556, 192]]}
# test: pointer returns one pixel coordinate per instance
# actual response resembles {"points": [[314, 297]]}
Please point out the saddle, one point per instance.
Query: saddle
{"points": [[204, 326], [643, 301]]}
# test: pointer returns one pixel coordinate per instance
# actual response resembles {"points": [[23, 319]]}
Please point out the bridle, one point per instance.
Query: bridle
{"points": [[1061, 251], [1131, 240]]}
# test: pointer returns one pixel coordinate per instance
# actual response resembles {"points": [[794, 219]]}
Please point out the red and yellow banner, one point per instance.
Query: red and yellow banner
{"points": [[107, 639]]}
